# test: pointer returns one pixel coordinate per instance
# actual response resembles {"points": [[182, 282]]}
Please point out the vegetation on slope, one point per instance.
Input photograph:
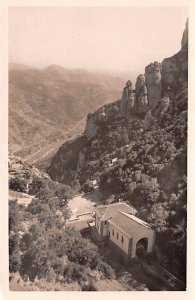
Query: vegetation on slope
{"points": [[148, 169], [43, 250], [46, 105]]}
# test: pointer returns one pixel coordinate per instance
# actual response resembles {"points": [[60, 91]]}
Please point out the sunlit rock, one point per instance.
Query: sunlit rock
{"points": [[153, 83], [141, 102], [127, 100]]}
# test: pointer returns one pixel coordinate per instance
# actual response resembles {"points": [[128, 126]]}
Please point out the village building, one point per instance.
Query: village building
{"points": [[117, 225]]}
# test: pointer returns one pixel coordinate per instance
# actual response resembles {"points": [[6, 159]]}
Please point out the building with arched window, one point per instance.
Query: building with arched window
{"points": [[125, 233]]}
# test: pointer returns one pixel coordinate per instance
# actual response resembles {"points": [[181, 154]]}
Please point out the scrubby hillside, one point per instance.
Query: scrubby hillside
{"points": [[49, 105], [44, 252]]}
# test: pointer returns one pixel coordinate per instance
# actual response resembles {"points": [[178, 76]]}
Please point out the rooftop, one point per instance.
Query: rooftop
{"points": [[129, 224], [106, 212]]}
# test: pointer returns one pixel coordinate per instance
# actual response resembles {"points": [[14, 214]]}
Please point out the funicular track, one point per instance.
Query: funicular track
{"points": [[169, 281]]}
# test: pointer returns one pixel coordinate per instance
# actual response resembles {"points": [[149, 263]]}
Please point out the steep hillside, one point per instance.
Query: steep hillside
{"points": [[136, 150], [44, 252], [49, 105]]}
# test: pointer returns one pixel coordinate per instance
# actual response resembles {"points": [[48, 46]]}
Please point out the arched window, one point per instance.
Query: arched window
{"points": [[122, 239], [117, 235], [113, 232]]}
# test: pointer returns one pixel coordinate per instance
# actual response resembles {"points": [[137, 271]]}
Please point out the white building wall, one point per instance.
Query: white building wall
{"points": [[125, 245], [105, 228]]}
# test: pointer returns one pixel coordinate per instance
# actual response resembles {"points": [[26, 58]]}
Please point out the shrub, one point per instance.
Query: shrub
{"points": [[75, 272], [13, 215], [88, 186], [36, 185], [17, 184], [105, 269], [89, 287], [14, 261]]}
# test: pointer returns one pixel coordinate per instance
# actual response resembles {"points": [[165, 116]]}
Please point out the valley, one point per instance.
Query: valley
{"points": [[49, 105]]}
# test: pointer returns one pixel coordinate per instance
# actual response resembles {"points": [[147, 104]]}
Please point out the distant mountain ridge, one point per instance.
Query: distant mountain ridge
{"points": [[48, 105]]}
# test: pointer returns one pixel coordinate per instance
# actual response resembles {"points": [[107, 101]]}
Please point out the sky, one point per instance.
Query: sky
{"points": [[119, 39]]}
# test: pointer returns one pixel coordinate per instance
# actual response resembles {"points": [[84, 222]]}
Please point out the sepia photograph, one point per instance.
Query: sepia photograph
{"points": [[97, 143]]}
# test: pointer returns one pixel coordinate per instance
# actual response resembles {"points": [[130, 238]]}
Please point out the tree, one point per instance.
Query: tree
{"points": [[13, 215], [88, 186], [17, 184], [36, 185], [89, 287], [158, 217], [14, 252]]}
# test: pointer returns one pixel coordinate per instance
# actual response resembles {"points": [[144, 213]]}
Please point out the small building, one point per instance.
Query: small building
{"points": [[104, 213], [126, 234]]}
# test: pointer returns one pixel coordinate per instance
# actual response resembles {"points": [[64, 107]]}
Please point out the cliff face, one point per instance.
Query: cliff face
{"points": [[159, 93], [101, 116], [153, 83], [64, 165], [184, 41], [175, 73], [175, 70], [141, 105]]}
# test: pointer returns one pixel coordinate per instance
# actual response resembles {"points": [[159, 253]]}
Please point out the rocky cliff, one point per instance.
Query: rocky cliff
{"points": [[160, 92], [135, 149], [141, 104], [65, 172]]}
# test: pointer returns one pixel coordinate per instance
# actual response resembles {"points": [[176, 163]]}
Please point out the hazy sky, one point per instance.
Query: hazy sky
{"points": [[116, 39]]}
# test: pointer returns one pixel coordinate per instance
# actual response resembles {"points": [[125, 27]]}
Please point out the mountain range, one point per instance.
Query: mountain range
{"points": [[46, 106]]}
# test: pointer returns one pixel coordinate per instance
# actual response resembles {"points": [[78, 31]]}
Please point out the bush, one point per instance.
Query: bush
{"points": [[83, 252], [105, 269], [14, 253], [75, 272], [13, 215], [14, 261], [89, 287], [36, 185], [88, 186], [17, 184]]}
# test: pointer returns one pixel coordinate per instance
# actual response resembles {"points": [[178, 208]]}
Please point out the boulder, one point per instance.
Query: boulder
{"points": [[91, 127], [127, 100], [153, 83], [141, 102]]}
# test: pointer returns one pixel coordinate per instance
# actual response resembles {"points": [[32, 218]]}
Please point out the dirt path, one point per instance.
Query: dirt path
{"points": [[43, 152], [84, 203], [49, 149]]}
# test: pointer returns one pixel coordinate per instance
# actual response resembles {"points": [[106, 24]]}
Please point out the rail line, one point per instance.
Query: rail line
{"points": [[169, 280]]}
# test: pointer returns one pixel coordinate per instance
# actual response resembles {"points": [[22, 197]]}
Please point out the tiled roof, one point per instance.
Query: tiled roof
{"points": [[106, 212], [129, 224]]}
